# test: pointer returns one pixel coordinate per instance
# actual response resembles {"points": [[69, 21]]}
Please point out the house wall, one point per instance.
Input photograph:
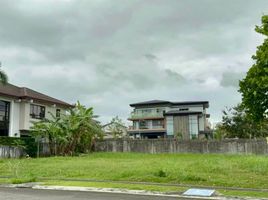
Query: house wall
{"points": [[181, 126], [27, 120], [20, 118], [192, 108], [14, 127]]}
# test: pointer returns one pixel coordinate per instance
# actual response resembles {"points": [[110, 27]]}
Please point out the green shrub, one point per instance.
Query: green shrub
{"points": [[23, 180], [161, 173]]}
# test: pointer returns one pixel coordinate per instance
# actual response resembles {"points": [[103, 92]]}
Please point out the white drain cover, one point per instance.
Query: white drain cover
{"points": [[199, 192]]}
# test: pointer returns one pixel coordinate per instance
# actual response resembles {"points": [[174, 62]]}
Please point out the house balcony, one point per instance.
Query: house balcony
{"points": [[140, 116], [156, 129]]}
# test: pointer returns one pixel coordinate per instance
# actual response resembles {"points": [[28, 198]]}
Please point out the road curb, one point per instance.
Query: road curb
{"points": [[38, 186], [121, 191]]}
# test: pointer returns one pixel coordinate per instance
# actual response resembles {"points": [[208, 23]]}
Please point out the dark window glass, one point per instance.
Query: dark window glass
{"points": [[158, 123], [37, 112], [58, 113], [143, 124], [4, 118]]}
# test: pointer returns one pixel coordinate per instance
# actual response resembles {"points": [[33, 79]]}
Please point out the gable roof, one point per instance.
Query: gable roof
{"points": [[26, 93], [110, 123], [151, 102], [162, 102]]}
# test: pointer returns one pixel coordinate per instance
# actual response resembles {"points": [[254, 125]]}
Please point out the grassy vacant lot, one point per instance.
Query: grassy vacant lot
{"points": [[196, 169]]}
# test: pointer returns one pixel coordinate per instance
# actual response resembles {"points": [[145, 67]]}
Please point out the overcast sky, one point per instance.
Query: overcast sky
{"points": [[110, 53]]}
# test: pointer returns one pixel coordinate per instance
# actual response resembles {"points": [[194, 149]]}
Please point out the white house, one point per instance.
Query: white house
{"points": [[20, 106]]}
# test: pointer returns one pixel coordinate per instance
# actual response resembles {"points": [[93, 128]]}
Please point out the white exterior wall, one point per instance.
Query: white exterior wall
{"points": [[14, 126], [28, 121]]}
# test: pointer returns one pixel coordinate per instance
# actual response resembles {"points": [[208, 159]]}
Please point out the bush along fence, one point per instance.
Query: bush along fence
{"points": [[230, 146], [12, 147]]}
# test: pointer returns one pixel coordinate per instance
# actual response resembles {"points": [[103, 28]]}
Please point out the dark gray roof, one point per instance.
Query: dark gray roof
{"points": [[178, 112], [26, 93], [162, 102], [150, 102]]}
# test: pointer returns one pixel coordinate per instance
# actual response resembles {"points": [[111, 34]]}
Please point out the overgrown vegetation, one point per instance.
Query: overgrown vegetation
{"points": [[69, 134]]}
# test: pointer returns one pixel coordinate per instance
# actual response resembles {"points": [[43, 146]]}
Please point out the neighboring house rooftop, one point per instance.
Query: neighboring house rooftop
{"points": [[162, 102], [110, 123], [26, 93]]}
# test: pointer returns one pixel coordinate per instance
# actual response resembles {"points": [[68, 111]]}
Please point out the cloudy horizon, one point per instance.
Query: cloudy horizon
{"points": [[108, 54]]}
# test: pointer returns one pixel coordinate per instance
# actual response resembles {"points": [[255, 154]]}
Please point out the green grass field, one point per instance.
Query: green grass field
{"points": [[196, 169]]}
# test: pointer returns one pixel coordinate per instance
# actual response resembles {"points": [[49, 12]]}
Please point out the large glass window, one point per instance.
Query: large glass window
{"points": [[158, 124], [145, 111], [4, 118], [144, 124], [37, 112], [193, 126]]}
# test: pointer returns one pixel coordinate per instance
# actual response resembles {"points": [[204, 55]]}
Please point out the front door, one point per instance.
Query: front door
{"points": [[4, 117]]}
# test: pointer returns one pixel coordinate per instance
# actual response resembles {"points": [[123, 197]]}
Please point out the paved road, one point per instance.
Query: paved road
{"points": [[31, 194]]}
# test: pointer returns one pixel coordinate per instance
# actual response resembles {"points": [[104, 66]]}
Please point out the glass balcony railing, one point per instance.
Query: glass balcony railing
{"points": [[146, 115]]}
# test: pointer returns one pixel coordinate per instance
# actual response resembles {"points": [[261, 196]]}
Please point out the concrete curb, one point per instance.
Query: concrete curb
{"points": [[121, 191]]}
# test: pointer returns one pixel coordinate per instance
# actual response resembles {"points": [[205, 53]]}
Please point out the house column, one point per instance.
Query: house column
{"points": [[14, 119]]}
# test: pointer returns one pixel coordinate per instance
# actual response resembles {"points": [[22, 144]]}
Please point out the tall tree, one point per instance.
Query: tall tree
{"points": [[3, 76], [254, 87]]}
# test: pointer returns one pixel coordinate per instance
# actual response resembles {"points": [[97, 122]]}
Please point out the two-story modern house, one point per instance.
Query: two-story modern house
{"points": [[20, 107], [159, 119]]}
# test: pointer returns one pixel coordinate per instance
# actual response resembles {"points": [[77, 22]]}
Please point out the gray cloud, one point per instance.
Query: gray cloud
{"points": [[109, 54], [231, 79]]}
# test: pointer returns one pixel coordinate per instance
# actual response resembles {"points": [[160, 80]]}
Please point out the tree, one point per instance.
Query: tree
{"points": [[73, 133], [81, 129], [254, 87], [3, 76], [236, 123], [116, 127]]}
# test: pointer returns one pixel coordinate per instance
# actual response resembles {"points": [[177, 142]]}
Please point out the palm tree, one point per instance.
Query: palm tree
{"points": [[3, 76]]}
